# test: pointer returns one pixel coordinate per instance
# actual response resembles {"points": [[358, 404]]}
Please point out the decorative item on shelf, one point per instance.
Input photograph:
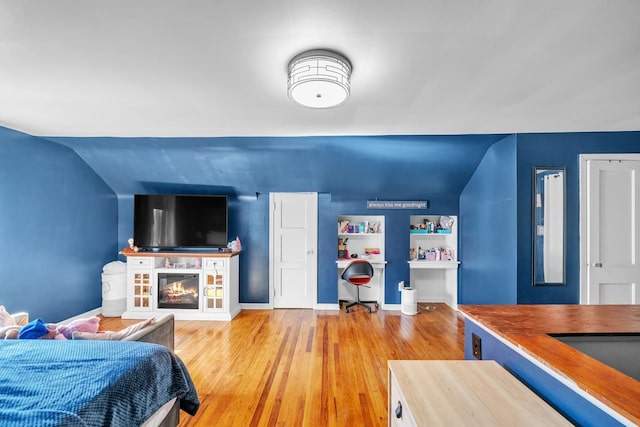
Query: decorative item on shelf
{"points": [[372, 253], [446, 254], [432, 254], [446, 222], [167, 263], [131, 245], [342, 249], [197, 263], [343, 226], [235, 245]]}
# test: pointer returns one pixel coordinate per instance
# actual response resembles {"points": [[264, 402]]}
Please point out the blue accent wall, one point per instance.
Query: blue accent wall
{"points": [[58, 224], [558, 149], [487, 229], [65, 199], [345, 171], [496, 265]]}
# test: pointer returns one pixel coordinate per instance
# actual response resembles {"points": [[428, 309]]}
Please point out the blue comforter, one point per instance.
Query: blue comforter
{"points": [[89, 383]]}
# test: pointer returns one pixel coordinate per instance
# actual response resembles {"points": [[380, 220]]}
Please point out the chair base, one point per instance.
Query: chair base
{"points": [[360, 303]]}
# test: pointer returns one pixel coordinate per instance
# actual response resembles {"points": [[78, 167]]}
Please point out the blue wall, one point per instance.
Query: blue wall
{"points": [[488, 238], [61, 202], [345, 171], [58, 223], [558, 149], [496, 267]]}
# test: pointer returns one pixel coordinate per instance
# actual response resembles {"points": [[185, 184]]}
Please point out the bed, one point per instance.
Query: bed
{"points": [[135, 381]]}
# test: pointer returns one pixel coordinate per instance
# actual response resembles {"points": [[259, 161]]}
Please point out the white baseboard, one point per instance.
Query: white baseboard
{"points": [[256, 306], [326, 307]]}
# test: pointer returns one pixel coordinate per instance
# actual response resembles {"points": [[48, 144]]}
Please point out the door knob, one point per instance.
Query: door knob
{"points": [[399, 410], [598, 265]]}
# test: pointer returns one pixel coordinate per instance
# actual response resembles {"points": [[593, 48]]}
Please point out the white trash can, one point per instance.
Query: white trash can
{"points": [[408, 299], [114, 289]]}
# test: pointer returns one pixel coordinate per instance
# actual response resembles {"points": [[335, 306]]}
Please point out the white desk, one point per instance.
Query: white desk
{"points": [[375, 291]]}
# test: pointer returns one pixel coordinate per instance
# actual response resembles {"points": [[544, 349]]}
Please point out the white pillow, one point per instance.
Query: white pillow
{"points": [[5, 317]]}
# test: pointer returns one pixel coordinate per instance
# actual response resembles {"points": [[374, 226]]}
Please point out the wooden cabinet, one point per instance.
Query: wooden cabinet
{"points": [[209, 289], [433, 258], [462, 393]]}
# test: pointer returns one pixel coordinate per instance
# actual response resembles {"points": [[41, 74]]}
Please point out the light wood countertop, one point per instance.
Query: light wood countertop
{"points": [[528, 326], [466, 393]]}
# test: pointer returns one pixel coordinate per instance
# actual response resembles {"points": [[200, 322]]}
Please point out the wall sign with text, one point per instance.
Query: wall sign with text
{"points": [[397, 204]]}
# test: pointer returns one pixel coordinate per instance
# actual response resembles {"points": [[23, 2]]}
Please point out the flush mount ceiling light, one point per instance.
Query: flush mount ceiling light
{"points": [[319, 79]]}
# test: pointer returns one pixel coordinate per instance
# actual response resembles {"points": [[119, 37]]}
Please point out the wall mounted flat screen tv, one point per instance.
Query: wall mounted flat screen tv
{"points": [[179, 221]]}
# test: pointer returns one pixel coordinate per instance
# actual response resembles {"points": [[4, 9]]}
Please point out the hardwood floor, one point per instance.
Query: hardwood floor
{"points": [[305, 367]]}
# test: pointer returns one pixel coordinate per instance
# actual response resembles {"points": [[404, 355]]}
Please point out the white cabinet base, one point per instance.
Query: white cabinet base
{"points": [[217, 287], [182, 314]]}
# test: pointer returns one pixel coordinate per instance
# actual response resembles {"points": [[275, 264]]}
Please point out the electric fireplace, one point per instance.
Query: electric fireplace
{"points": [[178, 290]]}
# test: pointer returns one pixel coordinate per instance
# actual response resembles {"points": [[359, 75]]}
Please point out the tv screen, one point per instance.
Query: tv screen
{"points": [[179, 221]]}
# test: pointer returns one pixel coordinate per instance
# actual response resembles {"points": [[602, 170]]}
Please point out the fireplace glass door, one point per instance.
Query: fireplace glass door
{"points": [[178, 290]]}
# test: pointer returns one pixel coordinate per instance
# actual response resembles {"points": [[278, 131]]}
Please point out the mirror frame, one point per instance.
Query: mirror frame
{"points": [[537, 214]]}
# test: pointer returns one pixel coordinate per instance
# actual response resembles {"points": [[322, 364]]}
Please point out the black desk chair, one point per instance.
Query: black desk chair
{"points": [[359, 273]]}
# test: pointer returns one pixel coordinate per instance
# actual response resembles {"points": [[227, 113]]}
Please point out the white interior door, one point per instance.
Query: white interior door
{"points": [[294, 231], [611, 253]]}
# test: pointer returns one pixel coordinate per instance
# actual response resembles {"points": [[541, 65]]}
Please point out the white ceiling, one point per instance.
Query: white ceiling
{"points": [[218, 68]]}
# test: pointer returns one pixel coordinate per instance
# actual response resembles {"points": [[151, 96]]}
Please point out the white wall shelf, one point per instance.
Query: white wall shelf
{"points": [[434, 264], [435, 280], [360, 244]]}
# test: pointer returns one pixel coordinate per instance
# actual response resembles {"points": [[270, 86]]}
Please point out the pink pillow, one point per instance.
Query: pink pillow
{"points": [[90, 325]]}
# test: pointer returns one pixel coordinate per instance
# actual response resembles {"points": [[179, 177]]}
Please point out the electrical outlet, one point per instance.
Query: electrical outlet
{"points": [[476, 346], [400, 285]]}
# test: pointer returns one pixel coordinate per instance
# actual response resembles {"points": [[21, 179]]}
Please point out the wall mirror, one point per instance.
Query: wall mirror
{"points": [[549, 225]]}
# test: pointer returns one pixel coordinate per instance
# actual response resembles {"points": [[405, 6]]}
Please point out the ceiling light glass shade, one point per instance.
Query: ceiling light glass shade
{"points": [[319, 79]]}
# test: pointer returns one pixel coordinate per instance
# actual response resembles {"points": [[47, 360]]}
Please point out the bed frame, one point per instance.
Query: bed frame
{"points": [[160, 332]]}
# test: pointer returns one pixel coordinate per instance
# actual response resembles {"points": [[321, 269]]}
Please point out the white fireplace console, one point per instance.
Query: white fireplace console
{"points": [[210, 290]]}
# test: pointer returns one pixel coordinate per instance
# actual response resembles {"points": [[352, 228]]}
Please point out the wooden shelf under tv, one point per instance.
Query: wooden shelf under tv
{"points": [[128, 252]]}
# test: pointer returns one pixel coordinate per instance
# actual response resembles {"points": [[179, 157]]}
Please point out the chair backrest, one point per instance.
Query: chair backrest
{"points": [[358, 272]]}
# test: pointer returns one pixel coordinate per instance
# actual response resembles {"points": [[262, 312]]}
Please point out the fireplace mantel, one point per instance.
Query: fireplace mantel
{"points": [[218, 287]]}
